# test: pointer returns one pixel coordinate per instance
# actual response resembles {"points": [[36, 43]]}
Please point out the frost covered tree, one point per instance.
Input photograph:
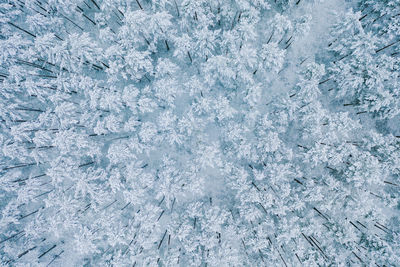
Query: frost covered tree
{"points": [[366, 74]]}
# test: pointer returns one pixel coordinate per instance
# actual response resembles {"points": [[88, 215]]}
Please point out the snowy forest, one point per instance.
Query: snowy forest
{"points": [[200, 133]]}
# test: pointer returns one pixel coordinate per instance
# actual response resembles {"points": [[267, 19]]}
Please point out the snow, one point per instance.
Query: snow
{"points": [[219, 136]]}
